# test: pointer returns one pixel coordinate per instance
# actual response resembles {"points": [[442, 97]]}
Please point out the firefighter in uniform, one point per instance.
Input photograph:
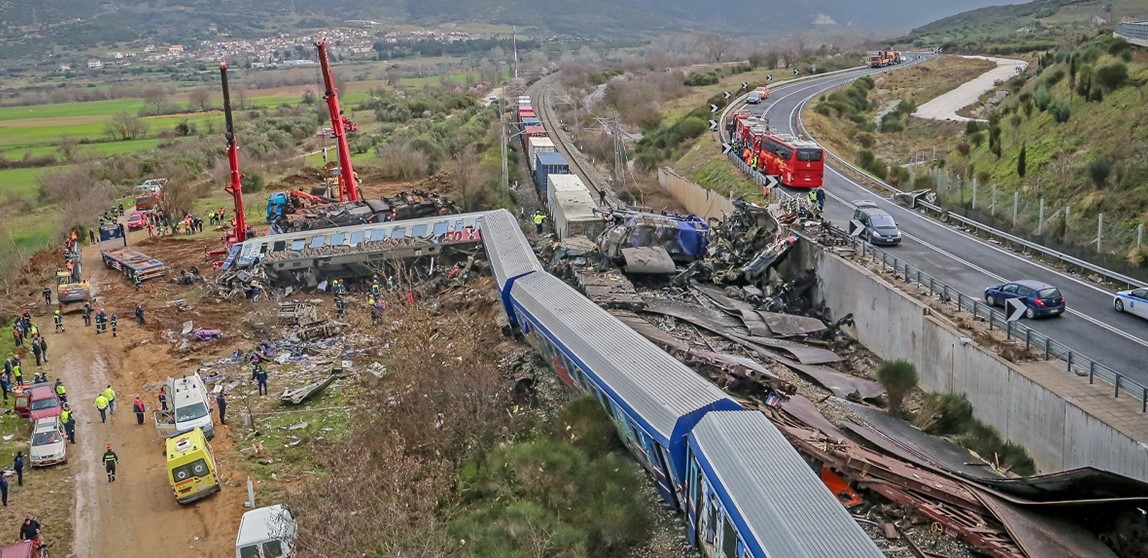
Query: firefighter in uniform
{"points": [[87, 311], [340, 306], [56, 317], [110, 460], [114, 322]]}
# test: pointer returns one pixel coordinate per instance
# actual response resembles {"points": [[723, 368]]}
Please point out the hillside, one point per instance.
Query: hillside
{"points": [[1078, 114], [1023, 27], [87, 22]]}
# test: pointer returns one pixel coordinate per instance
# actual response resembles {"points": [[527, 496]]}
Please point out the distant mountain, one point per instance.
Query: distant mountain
{"points": [[94, 22]]}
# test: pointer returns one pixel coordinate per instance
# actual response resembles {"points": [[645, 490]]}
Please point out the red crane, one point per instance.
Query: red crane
{"points": [[348, 188], [235, 187]]}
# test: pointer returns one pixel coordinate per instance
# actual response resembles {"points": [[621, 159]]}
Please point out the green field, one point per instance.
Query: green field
{"points": [[71, 110], [23, 182]]}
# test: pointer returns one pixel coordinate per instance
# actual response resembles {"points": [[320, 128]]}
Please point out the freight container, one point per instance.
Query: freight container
{"points": [[523, 100], [531, 121], [575, 213], [547, 164], [535, 131], [536, 145], [526, 112], [562, 183]]}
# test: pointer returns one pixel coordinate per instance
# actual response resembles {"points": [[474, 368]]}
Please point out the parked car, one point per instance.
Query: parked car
{"points": [[1133, 301], [880, 228], [1040, 299], [36, 402], [137, 220], [48, 444]]}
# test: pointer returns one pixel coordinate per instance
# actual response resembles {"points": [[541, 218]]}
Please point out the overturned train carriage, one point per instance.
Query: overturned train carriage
{"points": [[306, 258]]}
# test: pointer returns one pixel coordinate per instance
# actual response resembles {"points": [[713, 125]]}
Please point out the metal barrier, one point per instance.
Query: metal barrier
{"points": [[1049, 348]]}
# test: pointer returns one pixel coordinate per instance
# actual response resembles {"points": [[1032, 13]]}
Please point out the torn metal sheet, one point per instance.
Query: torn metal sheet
{"points": [[610, 289], [713, 321], [841, 384], [804, 410], [784, 325], [803, 353], [729, 305], [648, 260], [297, 396], [1082, 485], [1041, 535]]}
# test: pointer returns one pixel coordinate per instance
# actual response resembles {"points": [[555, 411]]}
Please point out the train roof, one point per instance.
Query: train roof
{"points": [[507, 249], [251, 249], [659, 390], [772, 493]]}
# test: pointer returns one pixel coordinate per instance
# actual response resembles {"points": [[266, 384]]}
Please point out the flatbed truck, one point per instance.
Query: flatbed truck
{"points": [[116, 255]]}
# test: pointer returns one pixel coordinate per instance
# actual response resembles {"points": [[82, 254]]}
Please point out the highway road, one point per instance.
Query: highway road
{"points": [[1091, 326]]}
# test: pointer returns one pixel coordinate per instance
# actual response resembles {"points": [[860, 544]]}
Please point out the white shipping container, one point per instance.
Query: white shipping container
{"points": [[536, 145], [562, 183], [575, 214]]}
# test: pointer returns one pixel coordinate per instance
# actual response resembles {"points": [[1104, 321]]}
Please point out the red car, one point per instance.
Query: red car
{"points": [[137, 221], [36, 402]]}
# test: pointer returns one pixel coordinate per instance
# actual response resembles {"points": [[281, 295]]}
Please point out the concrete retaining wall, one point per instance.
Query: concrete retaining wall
{"points": [[1057, 434], [700, 201]]}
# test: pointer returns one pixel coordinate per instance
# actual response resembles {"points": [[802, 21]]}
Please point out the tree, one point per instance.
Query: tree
{"points": [[199, 99], [308, 96], [67, 147], [1020, 161], [714, 46], [155, 96], [1071, 73], [124, 126], [1112, 76], [80, 196], [899, 377]]}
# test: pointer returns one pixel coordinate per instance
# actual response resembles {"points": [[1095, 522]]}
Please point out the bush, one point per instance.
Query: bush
{"points": [[944, 413], [899, 378], [1112, 76], [866, 141], [1041, 97], [972, 127], [697, 79], [865, 158], [1060, 111], [1099, 171], [879, 168], [923, 181], [1054, 77], [987, 443]]}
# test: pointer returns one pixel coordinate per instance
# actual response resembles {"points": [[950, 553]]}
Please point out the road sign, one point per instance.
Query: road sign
{"points": [[796, 72], [770, 181], [725, 95], [1016, 309], [745, 85], [856, 228], [713, 124], [726, 148], [768, 77], [713, 107]]}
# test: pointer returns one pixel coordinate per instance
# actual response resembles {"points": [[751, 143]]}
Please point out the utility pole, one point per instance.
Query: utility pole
{"points": [[503, 140], [514, 47]]}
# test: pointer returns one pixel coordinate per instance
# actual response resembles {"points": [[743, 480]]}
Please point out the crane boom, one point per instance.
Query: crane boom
{"points": [[235, 187], [348, 188]]}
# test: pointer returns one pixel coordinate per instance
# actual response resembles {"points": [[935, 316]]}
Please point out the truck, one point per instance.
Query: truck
{"points": [[132, 263], [149, 194], [282, 204]]}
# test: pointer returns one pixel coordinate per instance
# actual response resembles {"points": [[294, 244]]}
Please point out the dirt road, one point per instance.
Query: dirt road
{"points": [[136, 516], [946, 106]]}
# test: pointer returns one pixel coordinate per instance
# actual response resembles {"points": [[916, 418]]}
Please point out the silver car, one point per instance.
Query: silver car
{"points": [[49, 447]]}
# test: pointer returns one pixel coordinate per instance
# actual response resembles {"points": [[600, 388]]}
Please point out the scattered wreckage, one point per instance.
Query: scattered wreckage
{"points": [[294, 216]]}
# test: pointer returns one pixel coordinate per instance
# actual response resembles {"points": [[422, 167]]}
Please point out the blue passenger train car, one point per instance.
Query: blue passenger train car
{"points": [[509, 253], [653, 399]]}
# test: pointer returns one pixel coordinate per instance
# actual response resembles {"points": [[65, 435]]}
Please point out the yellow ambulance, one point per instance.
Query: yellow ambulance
{"points": [[191, 467]]}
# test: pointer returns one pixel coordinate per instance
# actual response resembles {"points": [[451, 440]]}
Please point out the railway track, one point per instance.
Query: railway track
{"points": [[540, 93]]}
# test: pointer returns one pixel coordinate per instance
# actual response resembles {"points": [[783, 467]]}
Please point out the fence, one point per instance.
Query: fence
{"points": [[1049, 348], [699, 200], [1106, 242]]}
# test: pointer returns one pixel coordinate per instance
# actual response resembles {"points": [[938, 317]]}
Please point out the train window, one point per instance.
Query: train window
{"points": [[279, 246], [298, 244], [441, 227], [357, 237], [728, 538], [808, 154], [398, 232], [379, 234], [317, 242], [419, 231], [338, 238]]}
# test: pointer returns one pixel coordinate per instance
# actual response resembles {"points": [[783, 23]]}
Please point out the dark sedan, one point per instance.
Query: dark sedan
{"points": [[1040, 299]]}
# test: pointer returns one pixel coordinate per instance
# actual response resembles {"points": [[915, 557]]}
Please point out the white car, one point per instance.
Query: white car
{"points": [[1133, 301], [49, 447]]}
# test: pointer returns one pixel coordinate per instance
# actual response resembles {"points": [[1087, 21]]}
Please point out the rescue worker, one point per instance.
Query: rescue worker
{"points": [[376, 289], [138, 408], [137, 280], [539, 219], [61, 391], [110, 460], [139, 314], [18, 466], [6, 385], [59, 319], [114, 324], [163, 398], [17, 374], [102, 407], [47, 294], [69, 422], [36, 352], [110, 394], [340, 306], [87, 313], [375, 316], [261, 380], [820, 198], [43, 347], [221, 402], [101, 321]]}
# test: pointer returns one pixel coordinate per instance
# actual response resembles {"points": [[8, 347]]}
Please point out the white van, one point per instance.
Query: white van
{"points": [[266, 533], [189, 406]]}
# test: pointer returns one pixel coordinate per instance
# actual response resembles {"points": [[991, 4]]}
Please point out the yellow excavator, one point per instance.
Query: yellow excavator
{"points": [[71, 292]]}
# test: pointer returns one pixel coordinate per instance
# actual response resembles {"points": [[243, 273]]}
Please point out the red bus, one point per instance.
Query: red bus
{"points": [[795, 162]]}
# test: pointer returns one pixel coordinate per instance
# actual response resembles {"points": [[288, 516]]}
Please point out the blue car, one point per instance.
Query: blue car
{"points": [[1041, 299]]}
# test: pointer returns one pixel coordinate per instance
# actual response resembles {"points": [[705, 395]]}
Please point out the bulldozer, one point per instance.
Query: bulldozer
{"points": [[71, 292]]}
